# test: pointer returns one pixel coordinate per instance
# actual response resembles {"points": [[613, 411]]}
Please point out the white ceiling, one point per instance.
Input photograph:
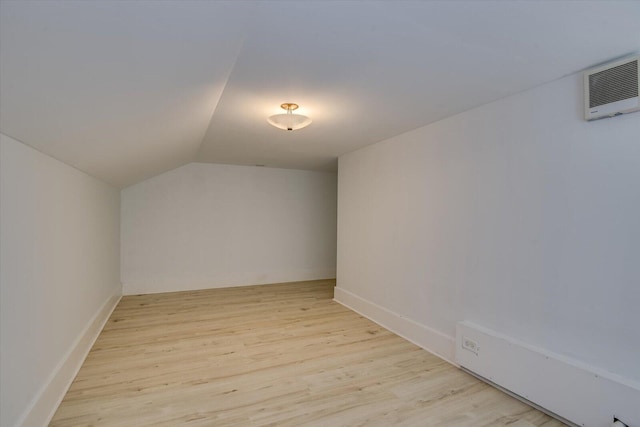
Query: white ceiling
{"points": [[125, 90]]}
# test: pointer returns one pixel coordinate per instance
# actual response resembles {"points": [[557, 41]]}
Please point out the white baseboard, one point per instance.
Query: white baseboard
{"points": [[583, 394], [178, 285], [44, 405], [421, 335]]}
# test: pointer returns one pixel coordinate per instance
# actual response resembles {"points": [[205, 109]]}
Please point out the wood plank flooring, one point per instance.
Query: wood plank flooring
{"points": [[274, 355]]}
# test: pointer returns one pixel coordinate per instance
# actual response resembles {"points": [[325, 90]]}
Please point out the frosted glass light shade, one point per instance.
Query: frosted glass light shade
{"points": [[289, 121]]}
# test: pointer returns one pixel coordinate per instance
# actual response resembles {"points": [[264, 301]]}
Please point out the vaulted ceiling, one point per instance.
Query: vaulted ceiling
{"points": [[125, 90]]}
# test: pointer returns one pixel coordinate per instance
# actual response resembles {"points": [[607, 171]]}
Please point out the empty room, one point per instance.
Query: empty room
{"points": [[319, 213]]}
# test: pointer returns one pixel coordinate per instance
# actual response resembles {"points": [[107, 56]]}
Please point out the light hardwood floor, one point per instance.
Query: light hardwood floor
{"points": [[274, 355]]}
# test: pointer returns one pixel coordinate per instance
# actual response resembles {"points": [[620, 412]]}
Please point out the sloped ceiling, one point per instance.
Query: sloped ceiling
{"points": [[125, 90]]}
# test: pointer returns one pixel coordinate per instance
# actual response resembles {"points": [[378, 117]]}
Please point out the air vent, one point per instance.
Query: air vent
{"points": [[612, 89]]}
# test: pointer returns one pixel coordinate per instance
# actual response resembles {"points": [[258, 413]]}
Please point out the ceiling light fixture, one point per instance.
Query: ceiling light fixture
{"points": [[288, 120]]}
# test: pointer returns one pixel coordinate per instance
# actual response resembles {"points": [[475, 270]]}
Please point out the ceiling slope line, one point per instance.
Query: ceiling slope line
{"points": [[110, 184], [196, 154]]}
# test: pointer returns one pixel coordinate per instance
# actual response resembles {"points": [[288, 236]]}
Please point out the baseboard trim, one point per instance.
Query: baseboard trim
{"points": [[565, 387], [433, 341], [157, 286], [46, 402]]}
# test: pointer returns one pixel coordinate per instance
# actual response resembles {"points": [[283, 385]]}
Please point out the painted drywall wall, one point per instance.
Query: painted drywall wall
{"points": [[518, 216], [206, 225], [59, 265]]}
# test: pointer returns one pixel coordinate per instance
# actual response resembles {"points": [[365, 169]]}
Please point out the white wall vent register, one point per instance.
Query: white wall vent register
{"points": [[612, 89]]}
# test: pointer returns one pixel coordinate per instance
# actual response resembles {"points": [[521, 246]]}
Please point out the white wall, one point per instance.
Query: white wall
{"points": [[206, 226], [59, 267], [518, 216]]}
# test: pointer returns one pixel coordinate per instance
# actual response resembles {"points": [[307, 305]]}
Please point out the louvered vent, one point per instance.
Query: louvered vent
{"points": [[612, 89], [612, 85]]}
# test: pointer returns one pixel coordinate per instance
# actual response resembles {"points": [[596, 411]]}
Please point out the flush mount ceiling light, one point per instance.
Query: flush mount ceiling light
{"points": [[288, 120]]}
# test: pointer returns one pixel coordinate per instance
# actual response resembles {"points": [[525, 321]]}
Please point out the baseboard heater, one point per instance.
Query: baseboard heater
{"points": [[568, 389]]}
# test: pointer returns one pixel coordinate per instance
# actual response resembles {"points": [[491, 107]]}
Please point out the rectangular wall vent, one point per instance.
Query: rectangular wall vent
{"points": [[612, 89]]}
